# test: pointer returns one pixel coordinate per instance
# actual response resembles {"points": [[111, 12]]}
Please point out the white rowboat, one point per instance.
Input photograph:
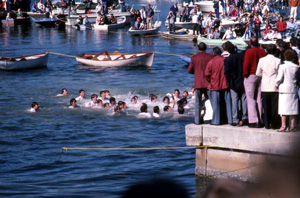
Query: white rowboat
{"points": [[154, 30], [239, 42], [24, 62], [120, 23], [116, 59]]}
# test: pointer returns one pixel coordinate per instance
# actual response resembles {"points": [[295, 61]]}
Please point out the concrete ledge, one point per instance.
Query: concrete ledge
{"points": [[241, 138]]}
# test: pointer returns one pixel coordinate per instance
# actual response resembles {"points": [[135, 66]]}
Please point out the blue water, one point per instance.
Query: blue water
{"points": [[32, 163]]}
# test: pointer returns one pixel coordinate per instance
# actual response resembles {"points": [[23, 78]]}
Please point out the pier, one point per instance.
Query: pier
{"points": [[236, 152]]}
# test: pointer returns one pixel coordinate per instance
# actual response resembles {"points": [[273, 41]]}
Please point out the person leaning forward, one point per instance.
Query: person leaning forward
{"points": [[197, 67]]}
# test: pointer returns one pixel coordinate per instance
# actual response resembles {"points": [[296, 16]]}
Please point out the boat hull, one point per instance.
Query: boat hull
{"points": [[144, 60], [218, 42], [46, 22], [31, 62], [186, 37], [148, 31], [108, 27]]}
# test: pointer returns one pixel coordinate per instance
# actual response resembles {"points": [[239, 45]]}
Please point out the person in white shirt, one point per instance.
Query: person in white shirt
{"points": [[291, 26], [34, 107], [64, 92], [73, 104], [41, 6], [93, 101], [103, 96], [99, 8], [144, 113], [276, 35], [81, 95], [156, 112], [229, 34], [269, 35], [267, 69]]}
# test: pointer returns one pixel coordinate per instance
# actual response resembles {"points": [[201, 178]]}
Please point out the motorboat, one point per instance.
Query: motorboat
{"points": [[120, 23]]}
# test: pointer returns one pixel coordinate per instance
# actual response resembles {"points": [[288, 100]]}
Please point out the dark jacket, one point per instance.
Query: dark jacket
{"points": [[233, 69], [197, 66]]}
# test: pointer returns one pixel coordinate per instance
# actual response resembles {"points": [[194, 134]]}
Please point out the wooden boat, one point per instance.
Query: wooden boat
{"points": [[239, 42], [120, 23], [24, 62], [46, 22], [153, 30], [116, 59]]}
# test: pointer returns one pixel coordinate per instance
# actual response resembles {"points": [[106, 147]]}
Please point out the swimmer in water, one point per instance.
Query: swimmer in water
{"points": [[180, 110], [166, 100], [185, 94], [168, 108], [93, 101], [73, 104], [154, 98], [133, 100], [103, 96], [177, 95], [144, 112], [107, 94], [81, 95], [156, 112], [106, 105], [117, 109], [64, 92], [112, 101], [34, 107], [99, 103]]}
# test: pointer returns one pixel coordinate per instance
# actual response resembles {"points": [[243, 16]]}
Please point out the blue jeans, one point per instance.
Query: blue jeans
{"points": [[239, 105], [220, 100], [199, 103], [171, 27]]}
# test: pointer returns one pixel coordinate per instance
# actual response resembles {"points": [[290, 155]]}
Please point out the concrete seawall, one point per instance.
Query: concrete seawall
{"points": [[236, 152]]}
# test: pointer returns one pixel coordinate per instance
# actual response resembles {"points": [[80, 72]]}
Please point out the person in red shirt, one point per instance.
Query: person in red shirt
{"points": [[281, 26], [252, 83], [218, 87], [197, 67]]}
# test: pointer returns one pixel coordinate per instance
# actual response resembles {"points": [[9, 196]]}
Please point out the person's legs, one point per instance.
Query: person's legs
{"points": [[199, 104], [249, 84], [228, 105], [283, 123], [275, 118], [234, 106], [267, 107], [215, 103]]}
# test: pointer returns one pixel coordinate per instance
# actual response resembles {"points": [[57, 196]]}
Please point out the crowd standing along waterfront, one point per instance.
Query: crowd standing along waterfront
{"points": [[251, 87]]}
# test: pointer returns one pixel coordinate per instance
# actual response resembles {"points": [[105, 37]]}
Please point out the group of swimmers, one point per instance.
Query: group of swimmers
{"points": [[170, 103]]}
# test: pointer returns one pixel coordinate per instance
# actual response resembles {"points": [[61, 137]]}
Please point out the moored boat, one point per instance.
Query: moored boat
{"points": [[239, 42], [24, 62], [186, 35], [46, 22], [181, 25], [153, 30], [120, 23], [116, 59]]}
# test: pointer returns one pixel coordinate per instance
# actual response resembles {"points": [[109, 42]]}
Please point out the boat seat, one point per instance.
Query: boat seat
{"points": [[23, 59], [122, 56], [133, 56]]}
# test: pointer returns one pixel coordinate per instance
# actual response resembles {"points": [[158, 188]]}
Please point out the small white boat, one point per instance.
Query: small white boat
{"points": [[239, 42], [153, 30], [116, 59], [186, 35], [268, 42], [46, 22], [207, 7], [83, 26], [24, 62], [120, 23], [181, 25]]}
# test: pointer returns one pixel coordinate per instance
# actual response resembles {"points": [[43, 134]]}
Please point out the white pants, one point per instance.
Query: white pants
{"points": [[294, 13]]}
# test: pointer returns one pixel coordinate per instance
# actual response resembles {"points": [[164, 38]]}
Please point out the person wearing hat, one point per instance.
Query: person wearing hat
{"points": [[150, 15]]}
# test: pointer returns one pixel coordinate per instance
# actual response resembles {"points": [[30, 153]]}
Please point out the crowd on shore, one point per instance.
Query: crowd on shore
{"points": [[170, 104], [253, 15], [252, 87]]}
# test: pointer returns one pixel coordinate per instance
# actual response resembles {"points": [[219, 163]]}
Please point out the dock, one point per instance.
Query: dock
{"points": [[236, 152]]}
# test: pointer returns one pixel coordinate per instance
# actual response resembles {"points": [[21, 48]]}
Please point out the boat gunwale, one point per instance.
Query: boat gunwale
{"points": [[94, 54], [44, 54]]}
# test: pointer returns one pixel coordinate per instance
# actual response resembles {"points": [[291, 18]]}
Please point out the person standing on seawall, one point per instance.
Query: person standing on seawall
{"points": [[267, 69], [288, 97], [197, 67], [294, 5], [252, 83]]}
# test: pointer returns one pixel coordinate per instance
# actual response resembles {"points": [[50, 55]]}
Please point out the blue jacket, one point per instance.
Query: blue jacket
{"points": [[149, 12]]}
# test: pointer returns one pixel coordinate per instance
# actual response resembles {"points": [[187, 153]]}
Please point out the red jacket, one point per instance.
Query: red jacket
{"points": [[251, 59], [281, 26], [197, 66], [214, 73]]}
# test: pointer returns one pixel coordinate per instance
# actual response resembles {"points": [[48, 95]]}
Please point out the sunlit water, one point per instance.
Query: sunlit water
{"points": [[32, 163]]}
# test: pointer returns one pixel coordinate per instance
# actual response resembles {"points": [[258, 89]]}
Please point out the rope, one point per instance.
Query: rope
{"points": [[62, 54], [124, 149], [170, 54]]}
